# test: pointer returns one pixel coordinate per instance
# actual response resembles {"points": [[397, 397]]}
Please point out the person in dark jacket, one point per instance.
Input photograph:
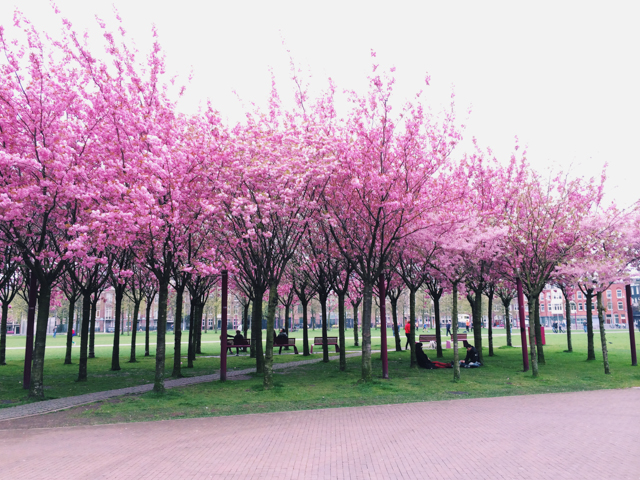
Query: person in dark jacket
{"points": [[472, 359], [425, 362], [281, 340], [239, 340]]}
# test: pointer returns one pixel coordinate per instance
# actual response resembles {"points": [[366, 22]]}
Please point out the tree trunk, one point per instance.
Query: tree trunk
{"points": [[3, 333], [134, 329], [286, 318], [436, 313], [591, 353], [72, 310], [84, 336], [115, 354], [603, 335], [367, 299], [341, 333], [191, 349], [245, 319], [355, 324], [271, 315], [454, 331], [538, 331], [477, 323], [490, 323], [532, 337], [256, 330], [305, 329], [197, 312], [507, 321], [177, 331], [412, 334], [36, 389], [394, 316], [567, 307], [163, 296], [325, 347], [146, 327], [92, 325]]}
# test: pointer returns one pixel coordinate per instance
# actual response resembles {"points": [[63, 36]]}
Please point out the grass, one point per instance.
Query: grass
{"points": [[323, 385]]}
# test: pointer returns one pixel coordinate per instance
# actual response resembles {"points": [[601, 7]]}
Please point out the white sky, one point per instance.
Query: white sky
{"points": [[562, 76]]}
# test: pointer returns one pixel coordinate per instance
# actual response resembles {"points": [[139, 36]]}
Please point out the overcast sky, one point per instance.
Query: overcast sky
{"points": [[562, 76]]}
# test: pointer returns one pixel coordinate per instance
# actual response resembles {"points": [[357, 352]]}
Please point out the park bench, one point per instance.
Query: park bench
{"points": [[291, 342], [461, 337], [330, 341], [428, 339], [231, 344]]}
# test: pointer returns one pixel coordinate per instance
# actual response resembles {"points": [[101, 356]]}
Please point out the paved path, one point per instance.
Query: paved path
{"points": [[47, 406], [579, 435]]}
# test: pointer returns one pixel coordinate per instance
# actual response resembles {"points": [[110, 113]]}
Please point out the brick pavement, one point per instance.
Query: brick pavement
{"points": [[561, 436], [47, 406]]}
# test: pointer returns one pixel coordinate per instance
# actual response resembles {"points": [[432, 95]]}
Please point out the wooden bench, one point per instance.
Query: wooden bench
{"points": [[231, 344], [291, 342], [330, 341], [428, 339], [461, 337]]}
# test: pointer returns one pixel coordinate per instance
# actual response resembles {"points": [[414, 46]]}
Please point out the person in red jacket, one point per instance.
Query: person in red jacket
{"points": [[407, 331]]}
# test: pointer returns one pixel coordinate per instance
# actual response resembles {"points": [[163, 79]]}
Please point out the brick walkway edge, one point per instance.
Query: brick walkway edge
{"points": [[580, 435]]}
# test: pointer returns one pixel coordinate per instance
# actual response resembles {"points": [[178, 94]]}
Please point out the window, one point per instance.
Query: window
{"points": [[620, 306], [542, 307], [615, 318], [579, 295], [580, 306], [619, 293], [609, 306], [608, 293], [593, 306]]}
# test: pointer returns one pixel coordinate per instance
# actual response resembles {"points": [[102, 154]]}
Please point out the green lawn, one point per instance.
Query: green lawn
{"points": [[323, 385]]}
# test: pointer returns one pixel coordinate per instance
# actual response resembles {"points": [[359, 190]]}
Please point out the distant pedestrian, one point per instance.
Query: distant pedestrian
{"points": [[584, 325], [55, 330], [448, 328], [468, 323], [407, 331]]}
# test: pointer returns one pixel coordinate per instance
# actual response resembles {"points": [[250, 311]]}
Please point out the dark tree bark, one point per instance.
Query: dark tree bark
{"points": [[435, 292], [149, 294], [603, 335], [177, 328], [163, 296], [454, 330], [567, 308], [256, 329], [591, 353], [538, 331], [191, 350], [355, 306], [134, 328], [115, 354], [84, 336], [490, 290], [506, 296], [72, 311]]}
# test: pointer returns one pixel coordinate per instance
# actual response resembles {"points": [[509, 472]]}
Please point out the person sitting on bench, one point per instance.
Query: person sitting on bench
{"points": [[239, 340], [425, 362], [282, 340], [472, 359]]}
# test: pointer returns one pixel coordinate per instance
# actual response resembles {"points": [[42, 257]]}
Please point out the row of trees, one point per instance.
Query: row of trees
{"points": [[103, 180]]}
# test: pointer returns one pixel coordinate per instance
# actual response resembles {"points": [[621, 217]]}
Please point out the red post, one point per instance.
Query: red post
{"points": [[223, 330], [523, 327], [31, 318], [631, 326], [383, 328]]}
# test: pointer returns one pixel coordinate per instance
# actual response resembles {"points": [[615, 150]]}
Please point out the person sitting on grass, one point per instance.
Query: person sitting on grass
{"points": [[472, 359], [239, 340], [425, 362]]}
